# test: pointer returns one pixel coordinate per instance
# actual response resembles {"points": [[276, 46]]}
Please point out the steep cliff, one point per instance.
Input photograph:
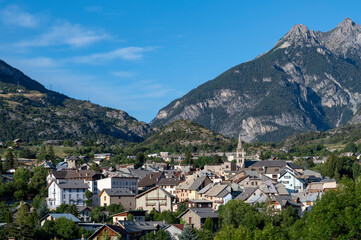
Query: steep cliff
{"points": [[308, 81]]}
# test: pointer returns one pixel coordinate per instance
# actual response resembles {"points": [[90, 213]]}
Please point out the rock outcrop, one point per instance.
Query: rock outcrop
{"points": [[308, 81]]}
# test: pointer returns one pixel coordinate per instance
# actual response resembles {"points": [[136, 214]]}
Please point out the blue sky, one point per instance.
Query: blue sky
{"points": [[138, 56]]}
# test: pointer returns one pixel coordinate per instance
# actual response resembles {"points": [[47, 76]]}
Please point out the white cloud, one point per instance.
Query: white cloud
{"points": [[14, 16], [127, 53], [65, 33], [39, 62], [123, 74]]}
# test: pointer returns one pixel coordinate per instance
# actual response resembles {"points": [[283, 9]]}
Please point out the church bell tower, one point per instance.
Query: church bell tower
{"points": [[240, 158]]}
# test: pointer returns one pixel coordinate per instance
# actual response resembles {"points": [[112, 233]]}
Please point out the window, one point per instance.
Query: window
{"points": [[285, 182], [287, 177], [190, 220], [105, 198]]}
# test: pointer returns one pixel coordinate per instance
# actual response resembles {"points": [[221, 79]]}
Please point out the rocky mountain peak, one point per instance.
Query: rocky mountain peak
{"points": [[348, 24], [299, 35], [344, 39]]}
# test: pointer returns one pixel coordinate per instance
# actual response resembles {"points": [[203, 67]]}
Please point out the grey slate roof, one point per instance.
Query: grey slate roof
{"points": [[118, 192], [59, 215], [72, 174], [72, 183], [197, 183], [131, 226], [151, 179], [168, 182], [206, 188], [216, 190], [246, 193], [202, 212], [275, 163], [139, 173], [119, 230], [286, 200]]}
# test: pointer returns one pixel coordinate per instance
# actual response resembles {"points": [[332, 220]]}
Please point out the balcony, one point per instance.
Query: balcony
{"points": [[155, 198]]}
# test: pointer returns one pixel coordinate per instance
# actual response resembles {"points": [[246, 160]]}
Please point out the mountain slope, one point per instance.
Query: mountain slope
{"points": [[335, 137], [184, 134], [308, 81], [31, 112]]}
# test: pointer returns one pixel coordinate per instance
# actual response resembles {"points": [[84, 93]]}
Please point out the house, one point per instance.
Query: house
{"points": [[279, 203], [155, 198], [84, 213], [150, 180], [169, 184], [189, 188], [61, 166], [78, 143], [292, 182], [174, 230], [219, 194], [195, 217], [200, 203], [113, 231], [117, 195], [90, 177], [47, 165], [6, 178], [272, 168], [116, 181], [308, 199], [221, 168], [71, 160], [90, 226], [308, 173], [324, 184], [137, 229], [66, 191], [138, 216], [14, 211], [105, 156], [51, 142], [18, 143], [55, 216]]}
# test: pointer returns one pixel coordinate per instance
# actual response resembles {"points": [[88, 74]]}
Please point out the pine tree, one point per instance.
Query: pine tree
{"points": [[8, 217], [187, 234], [9, 160], [42, 209], [51, 154], [208, 224]]}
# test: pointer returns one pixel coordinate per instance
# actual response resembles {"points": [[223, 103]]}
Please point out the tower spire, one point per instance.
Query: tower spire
{"points": [[240, 157]]}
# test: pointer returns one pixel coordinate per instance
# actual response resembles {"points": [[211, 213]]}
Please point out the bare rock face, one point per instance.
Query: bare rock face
{"points": [[308, 81]]}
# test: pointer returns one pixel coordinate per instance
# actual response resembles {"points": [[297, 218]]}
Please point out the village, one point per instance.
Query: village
{"points": [[193, 196]]}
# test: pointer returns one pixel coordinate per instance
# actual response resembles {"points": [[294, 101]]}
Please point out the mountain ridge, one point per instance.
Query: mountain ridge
{"points": [[307, 81], [34, 113]]}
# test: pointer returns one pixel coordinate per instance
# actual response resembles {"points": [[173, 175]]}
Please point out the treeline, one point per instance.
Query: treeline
{"points": [[26, 183]]}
